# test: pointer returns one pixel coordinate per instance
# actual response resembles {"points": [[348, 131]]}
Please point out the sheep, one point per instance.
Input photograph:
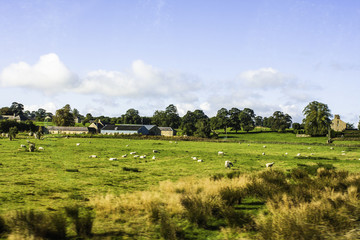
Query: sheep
{"points": [[92, 156], [194, 158], [286, 153], [41, 148], [155, 151], [263, 154], [269, 165], [132, 153], [23, 146], [78, 144], [298, 155], [264, 146], [136, 156], [228, 164], [127, 146], [331, 148], [153, 158], [200, 160], [143, 156], [220, 153], [112, 159], [124, 156]]}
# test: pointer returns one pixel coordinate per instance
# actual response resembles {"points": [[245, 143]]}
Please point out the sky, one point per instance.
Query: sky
{"points": [[106, 56]]}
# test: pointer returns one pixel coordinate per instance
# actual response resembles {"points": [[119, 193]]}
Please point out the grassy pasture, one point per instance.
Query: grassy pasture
{"points": [[63, 173]]}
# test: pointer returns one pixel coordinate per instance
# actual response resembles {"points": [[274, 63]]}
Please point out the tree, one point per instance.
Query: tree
{"points": [[203, 128], [259, 121], [17, 108], [246, 121], [12, 133], [280, 121], [223, 118], [131, 117], [6, 111], [296, 126], [173, 119], [40, 115], [234, 119], [64, 117], [317, 118], [189, 121]]}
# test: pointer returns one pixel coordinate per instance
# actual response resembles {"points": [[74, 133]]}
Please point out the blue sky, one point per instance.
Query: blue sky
{"points": [[105, 57]]}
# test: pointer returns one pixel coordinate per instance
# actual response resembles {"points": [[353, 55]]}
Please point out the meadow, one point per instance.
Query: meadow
{"points": [[63, 175]]}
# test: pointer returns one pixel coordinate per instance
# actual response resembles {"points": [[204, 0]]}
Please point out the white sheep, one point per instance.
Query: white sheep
{"points": [[41, 148], [298, 155], [92, 156], [228, 164], [143, 156], [112, 159], [200, 160], [23, 146], [269, 165], [132, 153], [220, 153], [124, 156], [78, 144], [263, 154], [153, 158], [286, 153], [136, 156], [331, 148], [264, 146], [155, 151], [194, 158]]}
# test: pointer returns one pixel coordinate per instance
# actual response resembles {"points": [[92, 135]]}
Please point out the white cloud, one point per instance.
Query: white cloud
{"points": [[49, 107], [49, 74], [143, 81], [264, 78]]}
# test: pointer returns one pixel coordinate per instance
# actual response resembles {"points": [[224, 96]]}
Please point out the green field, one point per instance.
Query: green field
{"points": [[63, 173]]}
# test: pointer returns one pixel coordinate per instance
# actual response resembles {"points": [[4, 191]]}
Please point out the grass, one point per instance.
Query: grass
{"points": [[63, 174]]}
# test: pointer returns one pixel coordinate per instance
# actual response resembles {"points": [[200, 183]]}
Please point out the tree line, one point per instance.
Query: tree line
{"points": [[193, 123]]}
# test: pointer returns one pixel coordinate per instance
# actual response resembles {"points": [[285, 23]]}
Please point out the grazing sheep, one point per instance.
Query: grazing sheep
{"points": [[155, 151], [136, 156], [127, 146], [298, 154], [220, 153], [343, 154], [331, 148], [92, 156], [200, 160], [112, 159], [132, 153], [248, 145], [41, 148], [23, 146], [124, 156], [194, 158], [286, 153], [78, 144], [263, 154], [269, 165], [153, 158], [143, 156], [264, 146], [228, 164]]}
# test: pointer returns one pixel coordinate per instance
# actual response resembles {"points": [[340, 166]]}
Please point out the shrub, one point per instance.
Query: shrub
{"points": [[83, 219], [40, 225], [235, 218], [197, 211], [4, 228], [217, 177], [231, 196], [167, 227], [234, 174]]}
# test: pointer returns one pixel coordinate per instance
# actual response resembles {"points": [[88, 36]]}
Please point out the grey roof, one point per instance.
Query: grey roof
{"points": [[56, 128], [166, 129], [123, 127], [148, 127]]}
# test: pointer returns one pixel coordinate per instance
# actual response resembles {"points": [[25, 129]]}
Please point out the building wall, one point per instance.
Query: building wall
{"points": [[118, 132], [338, 125], [167, 133], [67, 132]]}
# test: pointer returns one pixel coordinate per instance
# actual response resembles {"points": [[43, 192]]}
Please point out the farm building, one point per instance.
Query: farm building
{"points": [[67, 130], [131, 129], [337, 124], [17, 118], [96, 127], [167, 131]]}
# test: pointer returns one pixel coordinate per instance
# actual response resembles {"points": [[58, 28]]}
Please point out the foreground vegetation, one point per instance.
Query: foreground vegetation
{"points": [[60, 192]]}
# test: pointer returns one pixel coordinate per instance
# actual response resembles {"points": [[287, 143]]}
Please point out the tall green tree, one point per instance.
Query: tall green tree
{"points": [[64, 117], [167, 118], [317, 118], [189, 121], [203, 128], [246, 121], [234, 119], [131, 117], [223, 118], [280, 121], [17, 108]]}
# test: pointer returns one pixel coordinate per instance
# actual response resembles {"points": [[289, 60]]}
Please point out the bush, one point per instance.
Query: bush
{"points": [[197, 211], [40, 225], [4, 228], [231, 196], [83, 219], [234, 174]]}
